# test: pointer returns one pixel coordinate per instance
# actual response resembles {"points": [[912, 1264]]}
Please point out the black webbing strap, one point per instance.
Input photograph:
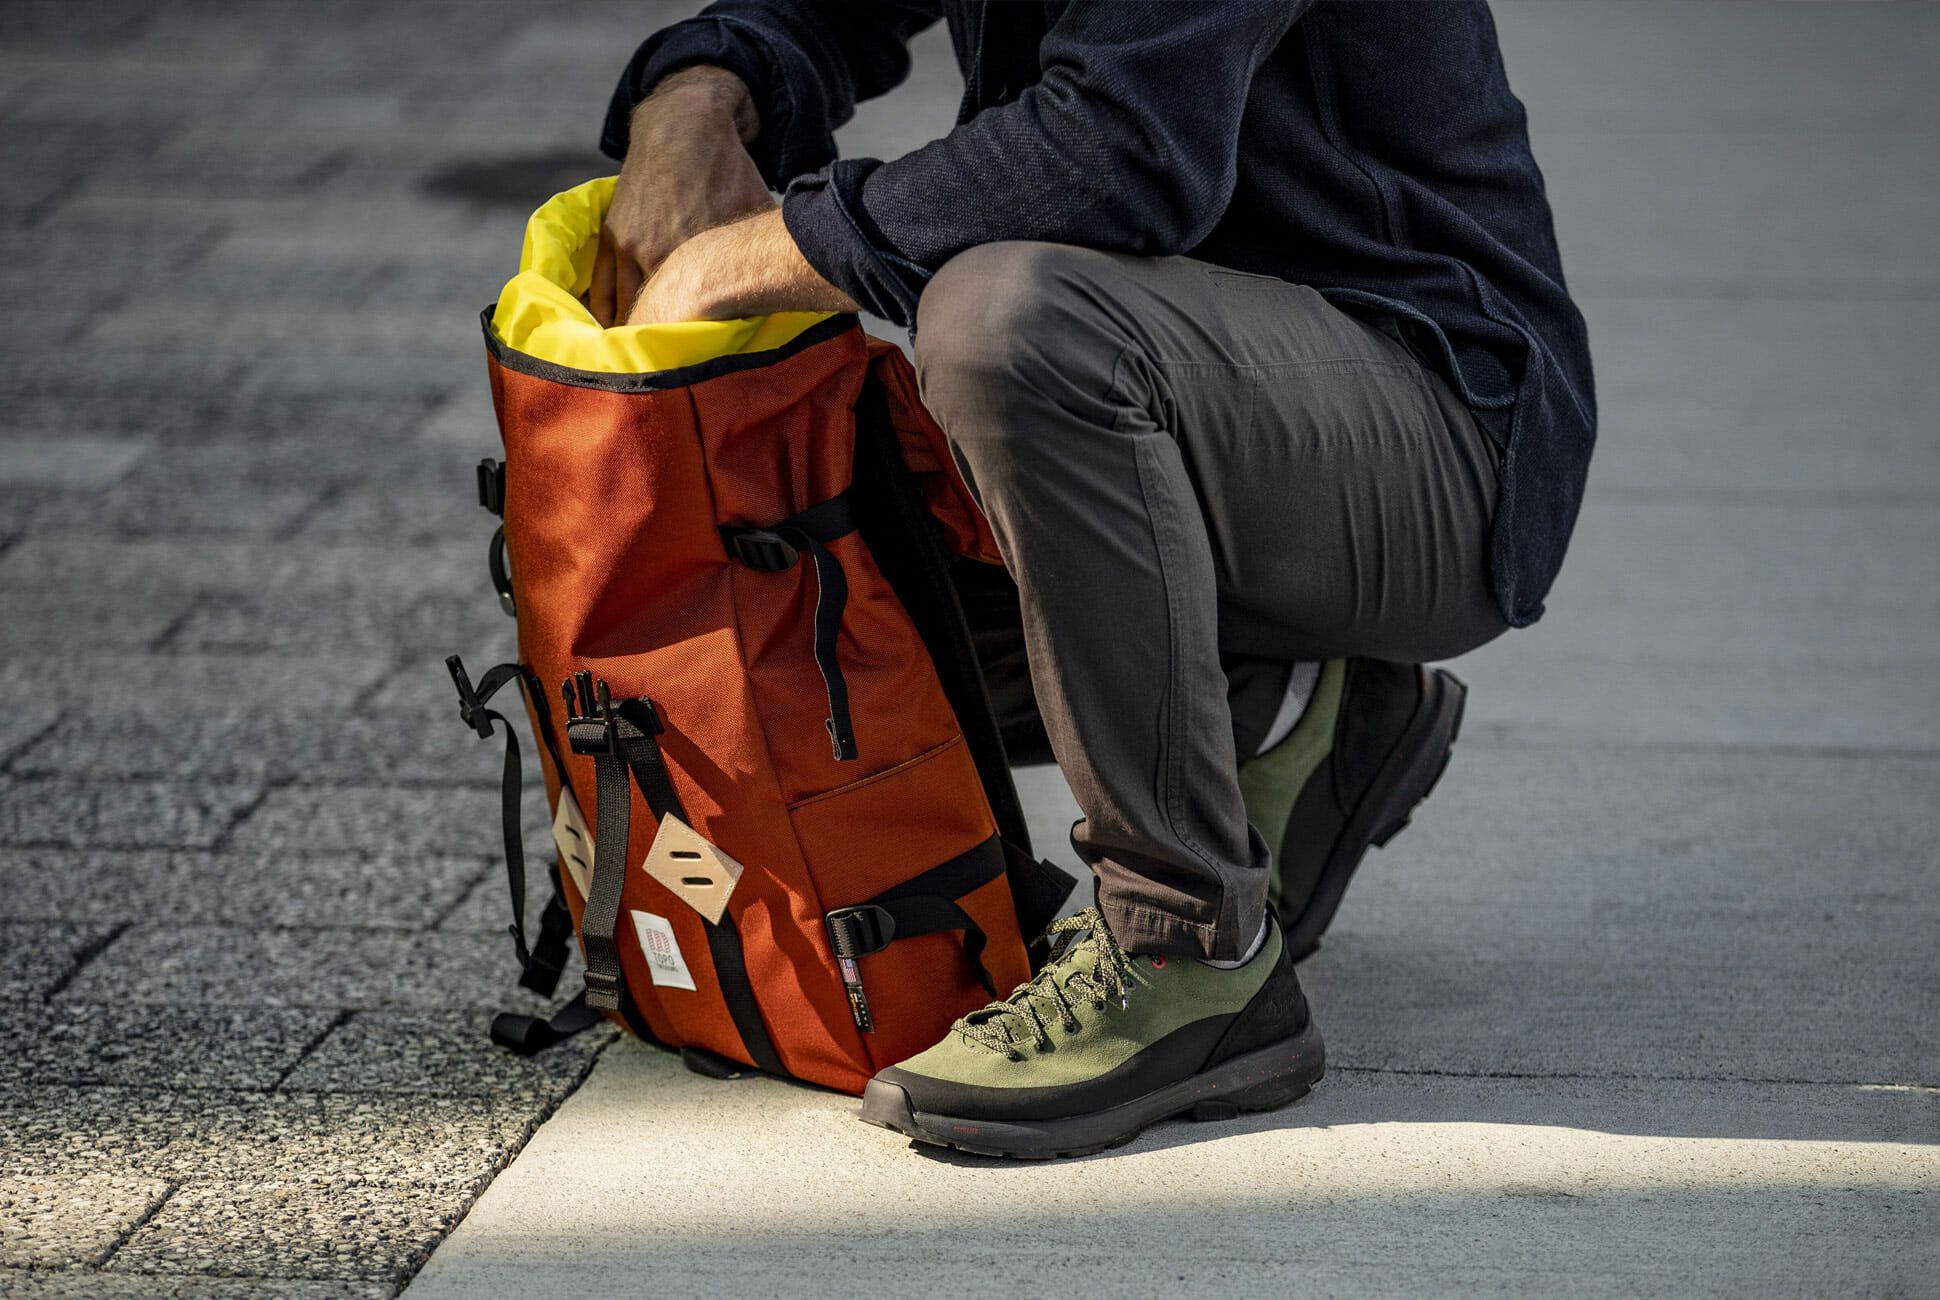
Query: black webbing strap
{"points": [[775, 549], [609, 738], [621, 737], [527, 1035], [540, 963], [926, 904]]}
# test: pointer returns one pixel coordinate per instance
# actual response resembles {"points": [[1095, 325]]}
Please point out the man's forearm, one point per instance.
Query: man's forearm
{"points": [[707, 89], [750, 267]]}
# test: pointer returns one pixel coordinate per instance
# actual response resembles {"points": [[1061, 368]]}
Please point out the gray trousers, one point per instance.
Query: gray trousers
{"points": [[1187, 469]]}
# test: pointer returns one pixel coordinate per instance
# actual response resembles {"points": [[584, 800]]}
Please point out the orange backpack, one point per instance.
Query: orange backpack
{"points": [[788, 836]]}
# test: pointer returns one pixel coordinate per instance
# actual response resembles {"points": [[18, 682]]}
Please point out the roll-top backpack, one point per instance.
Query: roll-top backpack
{"points": [[785, 826]]}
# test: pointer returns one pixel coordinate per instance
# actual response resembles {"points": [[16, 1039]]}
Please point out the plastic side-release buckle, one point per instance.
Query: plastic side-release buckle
{"points": [[760, 549], [855, 932], [470, 709], [859, 931], [491, 485], [594, 718]]}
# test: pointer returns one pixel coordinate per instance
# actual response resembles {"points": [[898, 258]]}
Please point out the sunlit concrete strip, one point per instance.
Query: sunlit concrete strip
{"points": [[654, 1180]]}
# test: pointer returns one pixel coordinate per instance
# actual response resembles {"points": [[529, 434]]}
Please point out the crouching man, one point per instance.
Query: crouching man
{"points": [[1247, 325]]}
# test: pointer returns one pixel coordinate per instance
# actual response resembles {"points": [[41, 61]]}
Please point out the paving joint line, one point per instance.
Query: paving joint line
{"points": [[170, 1187], [87, 954], [292, 530], [173, 629], [19, 751], [220, 844], [481, 881], [337, 1022]]}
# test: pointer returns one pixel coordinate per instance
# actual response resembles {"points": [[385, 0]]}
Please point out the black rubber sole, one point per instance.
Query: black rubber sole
{"points": [[1267, 1079], [1408, 777]]}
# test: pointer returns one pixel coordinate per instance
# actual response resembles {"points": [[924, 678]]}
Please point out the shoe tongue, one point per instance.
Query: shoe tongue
{"points": [[1080, 956]]}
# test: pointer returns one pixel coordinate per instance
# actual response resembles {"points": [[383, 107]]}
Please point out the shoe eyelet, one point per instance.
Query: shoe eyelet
{"points": [[1158, 962]]}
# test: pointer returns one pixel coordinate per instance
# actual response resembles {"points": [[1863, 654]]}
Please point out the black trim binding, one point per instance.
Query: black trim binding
{"points": [[654, 381]]}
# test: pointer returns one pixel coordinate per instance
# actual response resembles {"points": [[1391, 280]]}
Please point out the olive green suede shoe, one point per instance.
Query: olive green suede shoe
{"points": [[1373, 741], [1102, 1043]]}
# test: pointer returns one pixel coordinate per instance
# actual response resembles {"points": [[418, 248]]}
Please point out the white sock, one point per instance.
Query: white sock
{"points": [[1259, 941], [1300, 689]]}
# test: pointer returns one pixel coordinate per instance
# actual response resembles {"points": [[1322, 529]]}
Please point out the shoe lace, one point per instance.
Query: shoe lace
{"points": [[1110, 976]]}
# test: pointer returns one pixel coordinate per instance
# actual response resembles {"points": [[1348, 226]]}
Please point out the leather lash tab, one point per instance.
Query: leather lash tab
{"points": [[693, 870]]}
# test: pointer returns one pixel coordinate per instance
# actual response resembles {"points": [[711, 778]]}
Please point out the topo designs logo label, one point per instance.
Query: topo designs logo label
{"points": [[665, 965]]}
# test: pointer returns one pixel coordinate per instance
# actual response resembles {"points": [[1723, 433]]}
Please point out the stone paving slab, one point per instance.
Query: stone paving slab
{"points": [[406, 822], [190, 414], [88, 1284], [203, 681], [152, 513], [45, 623], [245, 889], [68, 462], [347, 968], [58, 1129], [20, 727], [145, 510], [139, 1045], [424, 627], [342, 1229], [376, 1051], [63, 1222], [38, 957], [329, 749], [119, 814]]}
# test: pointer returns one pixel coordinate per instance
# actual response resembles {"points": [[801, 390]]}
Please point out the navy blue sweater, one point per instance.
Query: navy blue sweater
{"points": [[1371, 150]]}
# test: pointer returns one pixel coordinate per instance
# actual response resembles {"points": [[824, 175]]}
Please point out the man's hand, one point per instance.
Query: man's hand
{"points": [[748, 268], [687, 169]]}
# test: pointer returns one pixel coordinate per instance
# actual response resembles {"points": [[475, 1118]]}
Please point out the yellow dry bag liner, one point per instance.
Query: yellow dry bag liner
{"points": [[540, 314]]}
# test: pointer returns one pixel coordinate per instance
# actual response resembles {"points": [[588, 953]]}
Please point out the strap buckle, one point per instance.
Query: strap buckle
{"points": [[491, 485], [758, 548], [594, 717], [859, 931], [602, 991], [471, 709]]}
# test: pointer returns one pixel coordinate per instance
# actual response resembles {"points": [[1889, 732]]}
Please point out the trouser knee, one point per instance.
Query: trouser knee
{"points": [[1004, 328]]}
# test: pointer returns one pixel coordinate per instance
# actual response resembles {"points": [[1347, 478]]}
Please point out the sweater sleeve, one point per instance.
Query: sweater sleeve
{"points": [[1128, 141], [806, 62]]}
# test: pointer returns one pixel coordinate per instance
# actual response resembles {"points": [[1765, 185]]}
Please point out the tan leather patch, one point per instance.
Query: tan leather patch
{"points": [[574, 840], [697, 872]]}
